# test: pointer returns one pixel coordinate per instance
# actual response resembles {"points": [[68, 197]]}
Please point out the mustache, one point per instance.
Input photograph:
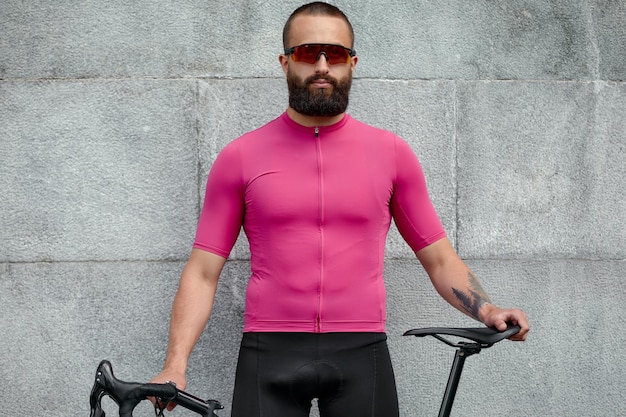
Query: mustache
{"points": [[328, 79]]}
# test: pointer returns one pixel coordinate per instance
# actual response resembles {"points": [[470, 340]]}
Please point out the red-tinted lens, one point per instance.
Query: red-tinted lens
{"points": [[306, 53], [337, 54], [310, 53]]}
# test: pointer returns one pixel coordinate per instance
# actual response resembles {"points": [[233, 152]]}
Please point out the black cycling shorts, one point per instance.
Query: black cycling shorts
{"points": [[279, 375]]}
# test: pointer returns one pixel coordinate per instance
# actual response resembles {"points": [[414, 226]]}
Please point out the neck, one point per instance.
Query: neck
{"points": [[313, 121]]}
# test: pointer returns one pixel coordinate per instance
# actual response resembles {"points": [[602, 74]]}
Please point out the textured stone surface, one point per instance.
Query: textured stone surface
{"points": [[530, 39], [97, 170], [118, 39], [61, 319], [546, 176], [570, 365]]}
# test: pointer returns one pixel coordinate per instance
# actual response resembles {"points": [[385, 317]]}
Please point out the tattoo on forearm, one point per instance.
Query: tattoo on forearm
{"points": [[474, 298]]}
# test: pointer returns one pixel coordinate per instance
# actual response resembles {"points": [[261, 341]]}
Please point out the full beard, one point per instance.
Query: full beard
{"points": [[318, 102]]}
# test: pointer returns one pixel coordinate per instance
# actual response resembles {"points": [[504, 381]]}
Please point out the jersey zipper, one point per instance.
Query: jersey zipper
{"points": [[318, 323]]}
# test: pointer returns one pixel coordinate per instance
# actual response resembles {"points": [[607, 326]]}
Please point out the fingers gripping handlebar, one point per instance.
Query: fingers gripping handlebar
{"points": [[128, 394]]}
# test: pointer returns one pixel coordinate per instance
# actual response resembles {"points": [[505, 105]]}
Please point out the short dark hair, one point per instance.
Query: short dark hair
{"points": [[316, 8]]}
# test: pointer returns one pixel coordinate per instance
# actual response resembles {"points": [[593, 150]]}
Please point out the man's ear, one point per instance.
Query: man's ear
{"points": [[284, 62], [353, 63]]}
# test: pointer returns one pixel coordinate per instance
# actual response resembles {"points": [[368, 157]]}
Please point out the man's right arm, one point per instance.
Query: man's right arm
{"points": [[190, 313]]}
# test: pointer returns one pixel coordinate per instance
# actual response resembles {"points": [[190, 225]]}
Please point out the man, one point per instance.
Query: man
{"points": [[315, 191]]}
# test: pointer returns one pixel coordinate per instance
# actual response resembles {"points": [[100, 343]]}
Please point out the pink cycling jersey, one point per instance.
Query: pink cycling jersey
{"points": [[316, 205]]}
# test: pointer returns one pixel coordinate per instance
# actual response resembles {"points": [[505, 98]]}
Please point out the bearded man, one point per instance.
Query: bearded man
{"points": [[315, 192]]}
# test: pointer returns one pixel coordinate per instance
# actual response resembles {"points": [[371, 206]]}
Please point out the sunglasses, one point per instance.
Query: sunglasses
{"points": [[311, 52]]}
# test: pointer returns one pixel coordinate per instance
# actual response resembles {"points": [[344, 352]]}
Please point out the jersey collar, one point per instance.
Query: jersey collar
{"points": [[285, 117]]}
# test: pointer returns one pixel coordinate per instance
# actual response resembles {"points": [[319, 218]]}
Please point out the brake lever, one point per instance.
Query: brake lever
{"points": [[97, 392]]}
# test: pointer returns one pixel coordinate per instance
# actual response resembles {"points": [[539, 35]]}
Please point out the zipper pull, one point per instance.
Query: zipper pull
{"points": [[317, 132]]}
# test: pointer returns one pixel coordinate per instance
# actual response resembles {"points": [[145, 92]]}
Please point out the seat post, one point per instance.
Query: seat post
{"points": [[466, 350]]}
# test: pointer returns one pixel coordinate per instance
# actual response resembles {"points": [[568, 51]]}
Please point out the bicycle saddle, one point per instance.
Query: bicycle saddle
{"points": [[485, 336]]}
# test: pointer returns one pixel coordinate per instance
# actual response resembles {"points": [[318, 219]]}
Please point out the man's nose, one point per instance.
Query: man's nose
{"points": [[321, 63]]}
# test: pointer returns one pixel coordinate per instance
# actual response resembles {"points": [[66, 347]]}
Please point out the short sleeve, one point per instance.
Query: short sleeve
{"points": [[223, 209], [411, 207]]}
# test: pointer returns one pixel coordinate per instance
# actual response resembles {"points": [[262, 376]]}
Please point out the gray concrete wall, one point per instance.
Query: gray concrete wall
{"points": [[111, 113]]}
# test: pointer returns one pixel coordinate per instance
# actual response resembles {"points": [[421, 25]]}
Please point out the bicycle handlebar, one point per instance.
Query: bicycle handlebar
{"points": [[128, 394]]}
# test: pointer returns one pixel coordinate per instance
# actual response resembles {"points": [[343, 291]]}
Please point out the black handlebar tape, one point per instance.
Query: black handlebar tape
{"points": [[198, 405]]}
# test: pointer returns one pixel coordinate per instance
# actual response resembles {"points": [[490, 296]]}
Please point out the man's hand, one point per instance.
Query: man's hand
{"points": [[170, 376], [498, 318]]}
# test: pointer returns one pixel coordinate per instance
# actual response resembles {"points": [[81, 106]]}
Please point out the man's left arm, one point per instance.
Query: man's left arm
{"points": [[460, 287]]}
